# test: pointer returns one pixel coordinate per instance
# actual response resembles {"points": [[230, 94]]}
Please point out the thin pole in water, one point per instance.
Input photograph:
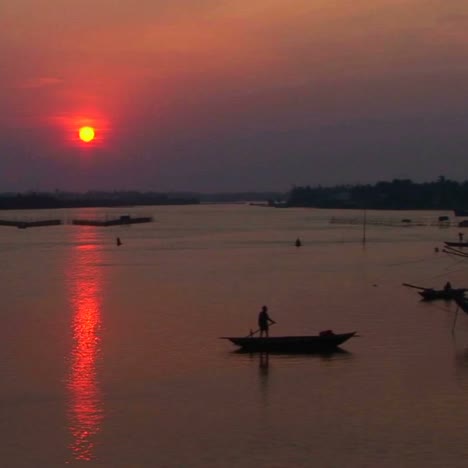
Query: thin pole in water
{"points": [[364, 222], [455, 320]]}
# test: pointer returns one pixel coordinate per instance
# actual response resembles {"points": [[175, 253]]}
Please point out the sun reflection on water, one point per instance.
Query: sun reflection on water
{"points": [[85, 401]]}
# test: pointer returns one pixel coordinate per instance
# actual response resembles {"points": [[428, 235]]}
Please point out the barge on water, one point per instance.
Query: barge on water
{"points": [[122, 220], [28, 224]]}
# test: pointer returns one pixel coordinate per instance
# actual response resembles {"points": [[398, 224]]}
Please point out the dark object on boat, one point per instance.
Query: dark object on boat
{"points": [[463, 223], [456, 244], [445, 294], [298, 242], [325, 341]]}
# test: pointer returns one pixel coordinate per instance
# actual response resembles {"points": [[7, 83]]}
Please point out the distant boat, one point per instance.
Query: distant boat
{"points": [[325, 341], [461, 213]]}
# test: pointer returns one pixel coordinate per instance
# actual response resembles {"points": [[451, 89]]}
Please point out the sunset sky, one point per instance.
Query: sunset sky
{"points": [[231, 95]]}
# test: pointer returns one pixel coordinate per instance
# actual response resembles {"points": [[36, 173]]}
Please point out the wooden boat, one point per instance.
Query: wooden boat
{"points": [[456, 244], [445, 294], [325, 341], [431, 294]]}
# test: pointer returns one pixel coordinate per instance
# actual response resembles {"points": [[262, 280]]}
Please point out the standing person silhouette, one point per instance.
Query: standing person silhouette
{"points": [[264, 321]]}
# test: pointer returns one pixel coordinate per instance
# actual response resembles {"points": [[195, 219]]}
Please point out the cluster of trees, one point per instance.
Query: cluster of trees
{"points": [[442, 194]]}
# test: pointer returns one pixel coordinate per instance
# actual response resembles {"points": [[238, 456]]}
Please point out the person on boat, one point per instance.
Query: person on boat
{"points": [[298, 242], [448, 286], [118, 241], [264, 321], [460, 236]]}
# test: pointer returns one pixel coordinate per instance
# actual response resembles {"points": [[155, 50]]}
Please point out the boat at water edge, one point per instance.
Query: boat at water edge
{"points": [[324, 342]]}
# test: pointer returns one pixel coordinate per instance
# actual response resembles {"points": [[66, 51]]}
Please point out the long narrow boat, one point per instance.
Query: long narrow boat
{"points": [[430, 294], [326, 341], [456, 244]]}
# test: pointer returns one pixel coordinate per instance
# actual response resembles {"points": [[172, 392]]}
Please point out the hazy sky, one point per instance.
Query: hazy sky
{"points": [[218, 95]]}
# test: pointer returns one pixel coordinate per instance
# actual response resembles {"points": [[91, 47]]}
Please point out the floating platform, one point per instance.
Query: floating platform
{"points": [[28, 224], [122, 220]]}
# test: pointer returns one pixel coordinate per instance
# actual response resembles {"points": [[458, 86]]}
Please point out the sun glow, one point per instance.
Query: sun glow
{"points": [[88, 129], [86, 134]]}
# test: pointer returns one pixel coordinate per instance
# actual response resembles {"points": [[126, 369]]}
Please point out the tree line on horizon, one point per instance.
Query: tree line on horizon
{"points": [[399, 194], [442, 194]]}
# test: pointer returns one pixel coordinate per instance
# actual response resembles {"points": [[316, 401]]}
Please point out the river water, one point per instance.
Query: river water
{"points": [[111, 354]]}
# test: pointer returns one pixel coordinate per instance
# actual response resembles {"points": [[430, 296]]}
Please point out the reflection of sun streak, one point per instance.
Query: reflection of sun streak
{"points": [[85, 405]]}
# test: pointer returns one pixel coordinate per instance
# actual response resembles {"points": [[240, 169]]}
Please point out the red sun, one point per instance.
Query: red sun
{"points": [[86, 134]]}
